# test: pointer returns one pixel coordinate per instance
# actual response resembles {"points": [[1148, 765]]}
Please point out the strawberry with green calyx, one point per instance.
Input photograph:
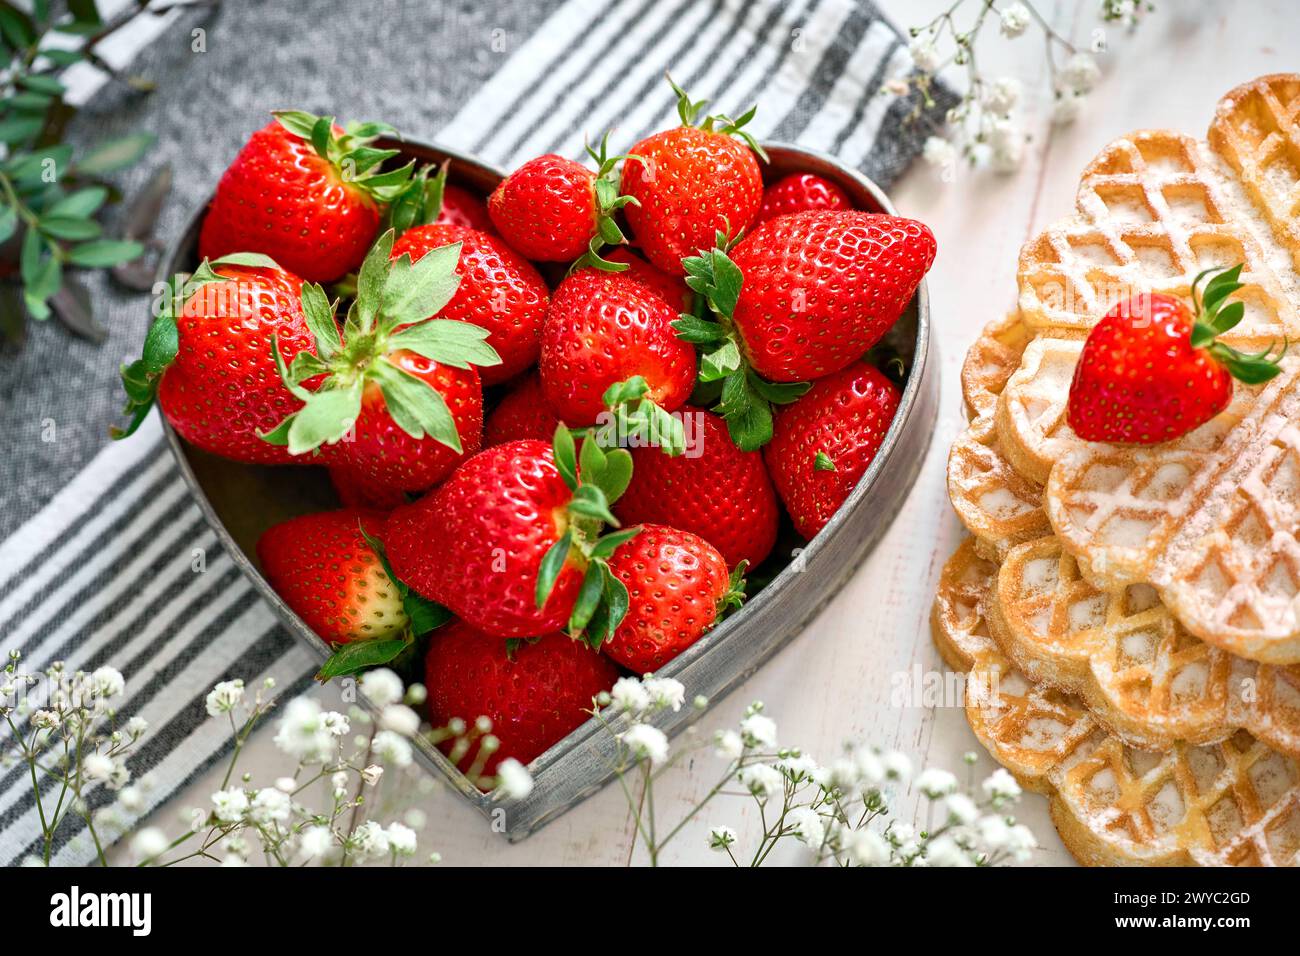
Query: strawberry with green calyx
{"points": [[678, 588], [744, 398], [634, 420], [515, 523], [429, 198], [823, 443], [332, 573], [399, 385], [232, 306], [500, 291], [1152, 370], [602, 328], [305, 192], [552, 209], [690, 181]]}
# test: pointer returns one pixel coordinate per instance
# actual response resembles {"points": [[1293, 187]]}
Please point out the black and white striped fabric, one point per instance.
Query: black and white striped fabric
{"points": [[103, 572]]}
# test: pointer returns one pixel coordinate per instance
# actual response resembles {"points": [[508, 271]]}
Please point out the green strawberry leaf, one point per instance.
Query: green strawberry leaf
{"points": [[822, 462], [566, 459], [778, 393], [249, 260], [589, 595], [590, 502], [748, 415], [416, 406], [358, 656], [627, 390], [606, 545], [325, 418], [549, 570], [371, 281], [721, 362], [611, 610], [698, 331], [417, 290], [448, 342], [617, 474], [318, 312], [424, 615]]}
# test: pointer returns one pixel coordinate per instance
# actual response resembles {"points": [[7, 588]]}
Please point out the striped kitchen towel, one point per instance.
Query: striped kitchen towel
{"points": [[98, 563]]}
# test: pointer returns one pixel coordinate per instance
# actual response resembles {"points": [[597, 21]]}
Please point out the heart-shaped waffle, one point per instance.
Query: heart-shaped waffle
{"points": [[1235, 803]]}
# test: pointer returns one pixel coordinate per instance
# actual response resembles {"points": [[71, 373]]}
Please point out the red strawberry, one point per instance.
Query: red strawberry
{"points": [[398, 400], [328, 574], [603, 328], [209, 362], [460, 207], [690, 182], [534, 695], [820, 288], [714, 490], [522, 413], [506, 541], [552, 209], [669, 287], [357, 491], [800, 192], [499, 291], [823, 442], [304, 192], [1151, 371], [677, 585]]}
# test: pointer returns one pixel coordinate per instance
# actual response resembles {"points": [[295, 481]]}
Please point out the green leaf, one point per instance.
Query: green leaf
{"points": [[114, 155], [29, 259], [549, 570], [425, 615], [625, 391], [16, 28], [617, 474], [589, 595], [1220, 287], [371, 281], [326, 417], [360, 656], [612, 610], [779, 393], [566, 459], [62, 227], [40, 83], [161, 343], [17, 129], [448, 342], [45, 279], [590, 501], [698, 331], [721, 362], [415, 405], [249, 260], [418, 290], [823, 462], [1229, 316], [748, 415], [79, 205], [321, 135], [319, 315], [297, 122], [8, 223], [607, 544]]}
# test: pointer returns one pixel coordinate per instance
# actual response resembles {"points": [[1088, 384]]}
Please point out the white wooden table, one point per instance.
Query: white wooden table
{"points": [[840, 679]]}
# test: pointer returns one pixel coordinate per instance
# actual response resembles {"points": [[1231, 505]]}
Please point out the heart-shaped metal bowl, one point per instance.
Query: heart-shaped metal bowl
{"points": [[241, 501]]}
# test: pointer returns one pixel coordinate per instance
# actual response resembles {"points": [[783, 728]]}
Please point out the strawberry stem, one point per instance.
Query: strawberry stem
{"points": [[1214, 316]]}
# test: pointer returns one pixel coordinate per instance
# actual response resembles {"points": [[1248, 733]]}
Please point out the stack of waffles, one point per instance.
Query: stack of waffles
{"points": [[1130, 617]]}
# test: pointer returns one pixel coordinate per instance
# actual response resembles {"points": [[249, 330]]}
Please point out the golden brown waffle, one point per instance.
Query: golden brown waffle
{"points": [[990, 362], [1211, 520], [1257, 130], [1153, 210], [1032, 429], [1139, 672], [1000, 508], [1234, 803]]}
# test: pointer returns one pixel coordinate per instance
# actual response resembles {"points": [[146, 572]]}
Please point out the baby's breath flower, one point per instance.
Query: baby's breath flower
{"points": [[939, 152], [314, 842], [935, 783], [401, 839], [721, 837], [229, 805], [1066, 108], [270, 806], [1020, 842], [131, 799], [961, 808], [45, 720], [513, 779], [370, 839], [646, 741], [339, 780], [107, 682], [1080, 73], [665, 692], [400, 719], [148, 843], [943, 850], [993, 831], [797, 768], [286, 784], [382, 686], [372, 774], [896, 765], [629, 696], [136, 726], [302, 733], [809, 827], [120, 776], [729, 745], [1001, 786], [1002, 95], [416, 694], [762, 780], [866, 847], [224, 697], [924, 54], [392, 748], [1007, 141], [758, 730], [97, 766], [1015, 20], [336, 723], [197, 818]]}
